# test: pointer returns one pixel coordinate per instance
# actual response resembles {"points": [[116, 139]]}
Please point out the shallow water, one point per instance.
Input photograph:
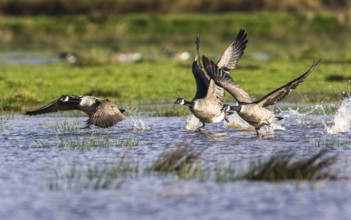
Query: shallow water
{"points": [[39, 152], [24, 57]]}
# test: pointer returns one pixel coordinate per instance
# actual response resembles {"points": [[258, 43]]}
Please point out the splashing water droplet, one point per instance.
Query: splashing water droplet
{"points": [[192, 123], [139, 125], [234, 121], [342, 118]]}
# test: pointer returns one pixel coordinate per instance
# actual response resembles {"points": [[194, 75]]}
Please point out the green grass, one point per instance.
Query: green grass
{"points": [[292, 41], [27, 87]]}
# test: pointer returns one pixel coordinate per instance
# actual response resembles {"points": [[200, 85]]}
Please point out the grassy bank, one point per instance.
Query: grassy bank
{"points": [[289, 43]]}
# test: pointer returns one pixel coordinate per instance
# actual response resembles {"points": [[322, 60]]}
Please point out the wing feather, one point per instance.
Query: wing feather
{"points": [[233, 53], [201, 78], [278, 94], [222, 79], [54, 107], [106, 115]]}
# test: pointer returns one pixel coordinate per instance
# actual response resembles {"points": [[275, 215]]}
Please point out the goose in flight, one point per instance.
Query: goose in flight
{"points": [[207, 103], [102, 112], [253, 112]]}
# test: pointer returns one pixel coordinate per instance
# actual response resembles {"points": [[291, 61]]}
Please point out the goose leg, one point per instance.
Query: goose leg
{"points": [[87, 124], [199, 128], [226, 118]]}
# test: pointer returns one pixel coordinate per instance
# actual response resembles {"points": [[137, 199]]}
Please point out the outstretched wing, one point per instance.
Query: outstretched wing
{"points": [[278, 94], [223, 80], [54, 106], [106, 115], [201, 78], [232, 54]]}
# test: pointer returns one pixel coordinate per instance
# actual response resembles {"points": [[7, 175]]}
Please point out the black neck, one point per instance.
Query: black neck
{"points": [[188, 103], [236, 108]]}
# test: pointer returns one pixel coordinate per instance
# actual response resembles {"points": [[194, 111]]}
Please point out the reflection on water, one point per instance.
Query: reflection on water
{"points": [[45, 166]]}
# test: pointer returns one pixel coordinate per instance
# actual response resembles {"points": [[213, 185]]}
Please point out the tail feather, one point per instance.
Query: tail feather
{"points": [[279, 118]]}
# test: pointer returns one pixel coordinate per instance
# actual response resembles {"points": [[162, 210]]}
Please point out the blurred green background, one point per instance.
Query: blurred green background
{"points": [[140, 51]]}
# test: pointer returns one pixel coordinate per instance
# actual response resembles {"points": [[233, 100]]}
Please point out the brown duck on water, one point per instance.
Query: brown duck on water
{"points": [[102, 112]]}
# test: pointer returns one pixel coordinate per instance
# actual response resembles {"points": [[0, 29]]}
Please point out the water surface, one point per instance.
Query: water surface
{"points": [[39, 152]]}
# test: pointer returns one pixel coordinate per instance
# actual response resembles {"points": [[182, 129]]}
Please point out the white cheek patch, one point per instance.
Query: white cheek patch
{"points": [[182, 102], [66, 99]]}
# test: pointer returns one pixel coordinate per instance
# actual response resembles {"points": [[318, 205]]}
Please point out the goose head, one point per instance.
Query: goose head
{"points": [[180, 101], [230, 109], [225, 108]]}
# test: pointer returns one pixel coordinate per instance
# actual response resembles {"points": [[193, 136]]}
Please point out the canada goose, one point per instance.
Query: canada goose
{"points": [[253, 112], [207, 102], [102, 112]]}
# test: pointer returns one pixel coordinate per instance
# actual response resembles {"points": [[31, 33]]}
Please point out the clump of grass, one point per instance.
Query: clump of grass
{"points": [[330, 142], [96, 140], [182, 160], [96, 177], [3, 121], [86, 142], [285, 167], [64, 125]]}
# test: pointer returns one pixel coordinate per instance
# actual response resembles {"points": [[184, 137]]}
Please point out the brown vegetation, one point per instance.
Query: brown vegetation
{"points": [[111, 7]]}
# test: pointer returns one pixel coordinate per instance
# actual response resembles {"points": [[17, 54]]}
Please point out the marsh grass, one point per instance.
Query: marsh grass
{"points": [[95, 140], [283, 167], [182, 160], [4, 119], [87, 142], [63, 125], [93, 177], [330, 142]]}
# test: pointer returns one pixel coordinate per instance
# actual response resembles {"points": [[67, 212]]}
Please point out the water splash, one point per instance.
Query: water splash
{"points": [[293, 115], [342, 118], [266, 131], [139, 125], [235, 121], [192, 123]]}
